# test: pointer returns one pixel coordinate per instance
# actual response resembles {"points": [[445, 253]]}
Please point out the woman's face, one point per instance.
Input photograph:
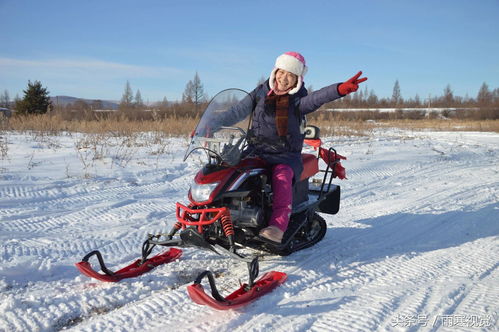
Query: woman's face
{"points": [[285, 79]]}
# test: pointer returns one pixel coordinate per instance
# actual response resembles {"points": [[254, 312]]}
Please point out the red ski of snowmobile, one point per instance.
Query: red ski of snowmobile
{"points": [[133, 270], [240, 297]]}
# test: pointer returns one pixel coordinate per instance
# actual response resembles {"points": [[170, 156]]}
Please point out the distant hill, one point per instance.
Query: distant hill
{"points": [[66, 100]]}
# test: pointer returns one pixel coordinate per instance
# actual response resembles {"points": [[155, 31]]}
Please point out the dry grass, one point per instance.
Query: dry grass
{"points": [[444, 125], [172, 126], [118, 138], [182, 126], [344, 128], [335, 127]]}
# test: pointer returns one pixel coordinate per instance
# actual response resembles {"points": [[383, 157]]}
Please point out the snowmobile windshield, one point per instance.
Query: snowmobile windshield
{"points": [[221, 131]]}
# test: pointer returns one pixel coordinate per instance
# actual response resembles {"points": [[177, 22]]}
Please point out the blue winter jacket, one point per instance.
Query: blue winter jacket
{"points": [[264, 141]]}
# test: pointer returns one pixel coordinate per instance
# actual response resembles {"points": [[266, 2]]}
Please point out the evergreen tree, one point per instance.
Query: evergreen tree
{"points": [[36, 100], [127, 98], [139, 103]]}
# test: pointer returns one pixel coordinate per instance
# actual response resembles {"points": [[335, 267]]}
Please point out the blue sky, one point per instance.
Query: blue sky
{"points": [[90, 48]]}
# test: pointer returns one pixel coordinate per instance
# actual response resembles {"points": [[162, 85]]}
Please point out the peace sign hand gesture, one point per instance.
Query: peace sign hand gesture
{"points": [[351, 85]]}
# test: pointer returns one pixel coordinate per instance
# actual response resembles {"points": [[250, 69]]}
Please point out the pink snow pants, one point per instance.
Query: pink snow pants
{"points": [[282, 186]]}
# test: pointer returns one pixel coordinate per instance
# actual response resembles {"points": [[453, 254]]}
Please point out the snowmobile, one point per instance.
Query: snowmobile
{"points": [[230, 201]]}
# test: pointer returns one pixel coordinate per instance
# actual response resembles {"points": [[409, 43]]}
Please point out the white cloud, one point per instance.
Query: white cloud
{"points": [[81, 67]]}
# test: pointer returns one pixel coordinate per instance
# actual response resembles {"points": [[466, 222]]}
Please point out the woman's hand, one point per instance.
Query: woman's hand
{"points": [[351, 85]]}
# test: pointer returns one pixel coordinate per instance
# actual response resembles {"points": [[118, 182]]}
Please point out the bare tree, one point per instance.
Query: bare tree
{"points": [[163, 105], [97, 104], [495, 94], [80, 105], [372, 99], [396, 96], [194, 92], [127, 98], [5, 99], [448, 97], [484, 97], [417, 101]]}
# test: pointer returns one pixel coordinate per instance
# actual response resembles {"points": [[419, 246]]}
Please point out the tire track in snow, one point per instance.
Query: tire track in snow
{"points": [[166, 309], [413, 270], [83, 196], [103, 214], [358, 280], [49, 310], [372, 265]]}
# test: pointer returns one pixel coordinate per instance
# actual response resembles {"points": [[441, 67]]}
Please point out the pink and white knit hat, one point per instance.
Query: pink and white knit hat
{"points": [[293, 62]]}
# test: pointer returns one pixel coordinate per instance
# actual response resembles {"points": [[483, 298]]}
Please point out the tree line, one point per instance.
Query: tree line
{"points": [[368, 99], [36, 100]]}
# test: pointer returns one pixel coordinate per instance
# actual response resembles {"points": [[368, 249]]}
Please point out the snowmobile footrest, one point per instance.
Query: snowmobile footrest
{"points": [[240, 297], [133, 270]]}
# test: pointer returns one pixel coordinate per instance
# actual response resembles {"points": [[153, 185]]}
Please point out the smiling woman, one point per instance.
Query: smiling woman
{"points": [[278, 125], [285, 80]]}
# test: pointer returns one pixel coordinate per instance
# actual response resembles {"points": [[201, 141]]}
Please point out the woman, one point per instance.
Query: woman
{"points": [[277, 130]]}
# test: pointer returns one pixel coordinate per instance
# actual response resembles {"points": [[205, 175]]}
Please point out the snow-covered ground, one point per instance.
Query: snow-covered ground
{"points": [[415, 245]]}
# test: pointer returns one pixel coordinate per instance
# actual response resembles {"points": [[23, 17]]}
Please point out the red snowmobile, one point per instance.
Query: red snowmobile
{"points": [[230, 201]]}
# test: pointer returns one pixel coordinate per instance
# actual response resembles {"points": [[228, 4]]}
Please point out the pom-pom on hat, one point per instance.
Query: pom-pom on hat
{"points": [[293, 62]]}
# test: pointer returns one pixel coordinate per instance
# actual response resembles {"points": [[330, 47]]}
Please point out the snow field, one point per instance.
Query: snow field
{"points": [[414, 247]]}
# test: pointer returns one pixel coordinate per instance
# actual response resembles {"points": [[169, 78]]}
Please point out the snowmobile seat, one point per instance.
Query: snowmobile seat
{"points": [[310, 166]]}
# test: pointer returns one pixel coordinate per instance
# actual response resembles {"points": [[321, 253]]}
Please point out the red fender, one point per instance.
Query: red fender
{"points": [[333, 160]]}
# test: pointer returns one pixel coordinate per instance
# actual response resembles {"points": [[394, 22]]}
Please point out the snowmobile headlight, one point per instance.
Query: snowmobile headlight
{"points": [[202, 192]]}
